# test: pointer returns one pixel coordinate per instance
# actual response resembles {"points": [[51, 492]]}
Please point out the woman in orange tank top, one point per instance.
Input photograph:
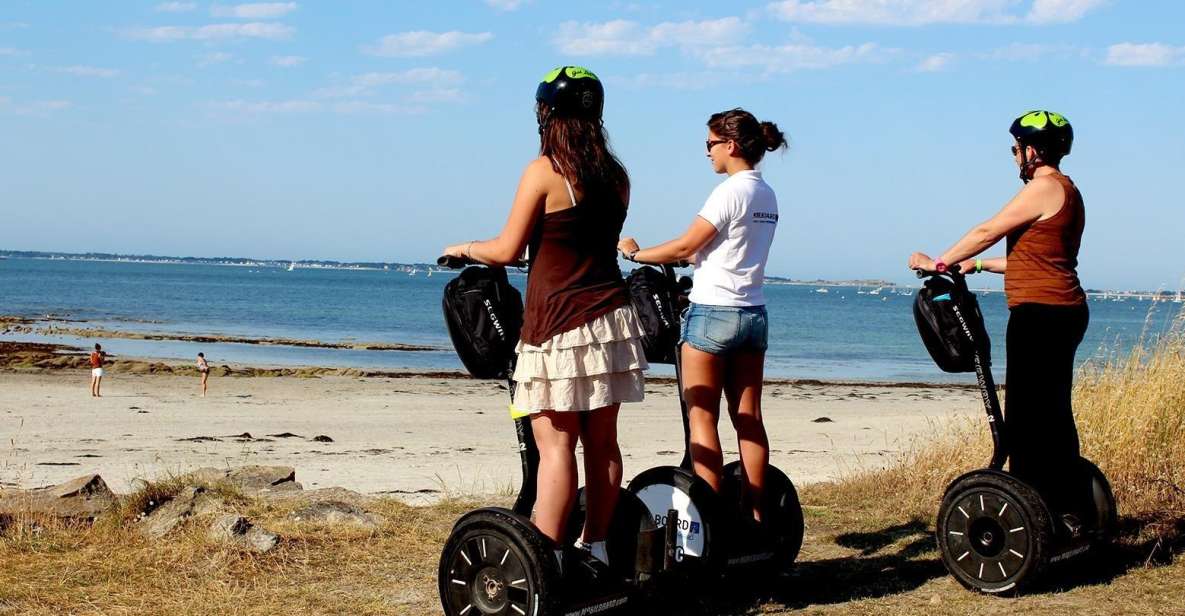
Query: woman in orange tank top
{"points": [[1047, 307]]}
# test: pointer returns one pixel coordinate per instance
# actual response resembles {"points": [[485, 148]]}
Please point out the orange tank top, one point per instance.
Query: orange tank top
{"points": [[1043, 255]]}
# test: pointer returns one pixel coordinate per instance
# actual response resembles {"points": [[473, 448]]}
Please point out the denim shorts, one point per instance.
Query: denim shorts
{"points": [[721, 330]]}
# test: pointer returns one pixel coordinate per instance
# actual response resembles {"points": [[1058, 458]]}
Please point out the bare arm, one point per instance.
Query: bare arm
{"points": [[679, 249], [1028, 206], [508, 246], [996, 265]]}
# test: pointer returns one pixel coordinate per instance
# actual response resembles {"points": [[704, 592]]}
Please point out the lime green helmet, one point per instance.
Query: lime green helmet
{"points": [[571, 91], [1049, 133]]}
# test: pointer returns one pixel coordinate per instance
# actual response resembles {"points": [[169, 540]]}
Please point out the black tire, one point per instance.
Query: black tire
{"points": [[782, 513], [994, 532], [1104, 519], [630, 520], [495, 562], [670, 487]]}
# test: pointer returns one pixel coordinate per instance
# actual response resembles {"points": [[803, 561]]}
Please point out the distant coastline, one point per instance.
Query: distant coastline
{"points": [[414, 268]]}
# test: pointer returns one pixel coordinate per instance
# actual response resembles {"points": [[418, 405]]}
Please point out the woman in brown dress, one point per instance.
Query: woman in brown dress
{"points": [[580, 355]]}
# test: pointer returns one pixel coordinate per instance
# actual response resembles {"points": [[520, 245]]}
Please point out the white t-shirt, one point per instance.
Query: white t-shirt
{"points": [[730, 270]]}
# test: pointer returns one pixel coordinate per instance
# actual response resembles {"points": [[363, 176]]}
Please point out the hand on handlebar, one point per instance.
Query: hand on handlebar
{"points": [[453, 262]]}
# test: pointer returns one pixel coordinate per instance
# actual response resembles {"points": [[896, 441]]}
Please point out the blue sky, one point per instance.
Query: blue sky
{"points": [[384, 130]]}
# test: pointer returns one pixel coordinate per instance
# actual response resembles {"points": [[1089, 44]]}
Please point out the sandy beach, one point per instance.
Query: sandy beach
{"points": [[416, 438]]}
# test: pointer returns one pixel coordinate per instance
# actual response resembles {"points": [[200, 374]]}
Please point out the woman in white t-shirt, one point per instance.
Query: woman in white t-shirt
{"points": [[724, 332]]}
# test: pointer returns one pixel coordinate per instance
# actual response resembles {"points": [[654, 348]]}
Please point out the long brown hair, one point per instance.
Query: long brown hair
{"points": [[579, 150], [752, 137]]}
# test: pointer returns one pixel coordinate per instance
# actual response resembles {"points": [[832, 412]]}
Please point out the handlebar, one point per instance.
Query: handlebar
{"points": [[951, 270], [452, 262], [679, 263]]}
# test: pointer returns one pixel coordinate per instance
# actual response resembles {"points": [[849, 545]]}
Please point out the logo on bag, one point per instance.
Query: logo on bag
{"points": [[494, 318], [662, 314]]}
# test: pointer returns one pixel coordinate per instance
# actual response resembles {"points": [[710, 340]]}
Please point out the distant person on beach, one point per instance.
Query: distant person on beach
{"points": [[204, 370], [580, 354], [1047, 307], [97, 358], [725, 330]]}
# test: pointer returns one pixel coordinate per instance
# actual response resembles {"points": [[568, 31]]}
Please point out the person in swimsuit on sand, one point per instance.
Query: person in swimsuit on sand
{"points": [[98, 356], [204, 370]]}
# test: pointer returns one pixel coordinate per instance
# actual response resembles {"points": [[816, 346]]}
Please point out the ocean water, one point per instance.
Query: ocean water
{"points": [[841, 334]]}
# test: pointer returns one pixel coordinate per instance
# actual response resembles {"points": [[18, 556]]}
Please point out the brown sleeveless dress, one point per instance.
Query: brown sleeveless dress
{"points": [[1043, 256], [581, 345]]}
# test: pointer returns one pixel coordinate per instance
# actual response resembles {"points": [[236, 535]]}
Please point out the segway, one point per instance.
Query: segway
{"points": [[996, 533], [496, 562], [712, 532]]}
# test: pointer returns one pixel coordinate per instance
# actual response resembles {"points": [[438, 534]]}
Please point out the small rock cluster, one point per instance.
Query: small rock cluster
{"points": [[85, 498]]}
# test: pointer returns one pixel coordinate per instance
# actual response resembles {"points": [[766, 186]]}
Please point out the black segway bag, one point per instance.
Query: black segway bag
{"points": [[951, 340], [654, 298], [484, 313]]}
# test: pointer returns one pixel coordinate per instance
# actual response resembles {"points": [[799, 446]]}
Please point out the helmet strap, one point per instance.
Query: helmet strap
{"points": [[1028, 167]]}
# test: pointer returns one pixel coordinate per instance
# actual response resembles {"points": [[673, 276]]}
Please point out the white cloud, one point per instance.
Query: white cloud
{"points": [[925, 12], [297, 106], [627, 38], [438, 95], [175, 7], [39, 108], [214, 57], [289, 106], [1022, 52], [86, 71], [366, 83], [288, 61], [1144, 54], [506, 5], [937, 62], [1060, 11], [211, 32], [367, 107], [793, 57], [258, 10], [422, 43], [13, 25], [9, 51], [676, 80]]}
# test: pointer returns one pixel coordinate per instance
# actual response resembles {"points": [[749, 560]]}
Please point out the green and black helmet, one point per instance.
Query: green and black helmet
{"points": [[571, 91], [1049, 133]]}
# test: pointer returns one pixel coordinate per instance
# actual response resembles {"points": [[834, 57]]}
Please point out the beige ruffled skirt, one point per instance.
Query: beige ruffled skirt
{"points": [[594, 365]]}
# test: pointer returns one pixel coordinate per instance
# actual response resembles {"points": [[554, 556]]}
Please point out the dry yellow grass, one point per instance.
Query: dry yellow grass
{"points": [[869, 546]]}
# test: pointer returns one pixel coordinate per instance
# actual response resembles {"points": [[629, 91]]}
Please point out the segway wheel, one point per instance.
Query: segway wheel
{"points": [[781, 513], [994, 532], [1105, 518], [665, 488], [495, 562], [631, 521]]}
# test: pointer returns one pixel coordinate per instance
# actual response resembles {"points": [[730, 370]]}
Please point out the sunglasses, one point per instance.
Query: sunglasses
{"points": [[714, 143]]}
